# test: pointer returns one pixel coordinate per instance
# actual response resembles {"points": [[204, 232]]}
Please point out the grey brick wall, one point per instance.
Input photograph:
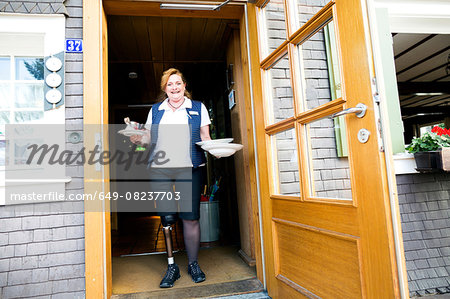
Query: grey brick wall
{"points": [[286, 144], [331, 173], [307, 8], [42, 245], [275, 24], [34, 7], [425, 212], [42, 251]]}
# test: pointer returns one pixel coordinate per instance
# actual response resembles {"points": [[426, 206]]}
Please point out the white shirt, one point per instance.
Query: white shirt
{"points": [[173, 133]]}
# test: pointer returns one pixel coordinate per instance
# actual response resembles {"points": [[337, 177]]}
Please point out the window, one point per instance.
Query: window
{"points": [[26, 42], [21, 89]]}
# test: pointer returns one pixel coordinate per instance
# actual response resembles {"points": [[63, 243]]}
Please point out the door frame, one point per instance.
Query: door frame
{"points": [[98, 267]]}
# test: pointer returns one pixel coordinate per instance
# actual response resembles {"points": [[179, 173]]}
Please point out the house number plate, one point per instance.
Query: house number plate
{"points": [[74, 46]]}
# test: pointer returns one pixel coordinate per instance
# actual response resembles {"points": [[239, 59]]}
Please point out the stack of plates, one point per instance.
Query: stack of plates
{"points": [[220, 147], [130, 132]]}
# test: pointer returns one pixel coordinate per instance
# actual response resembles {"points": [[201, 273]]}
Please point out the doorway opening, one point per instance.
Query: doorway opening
{"points": [[139, 50], [422, 65]]}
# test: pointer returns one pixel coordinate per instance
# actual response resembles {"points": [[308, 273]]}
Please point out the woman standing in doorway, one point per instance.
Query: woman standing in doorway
{"points": [[182, 152]]}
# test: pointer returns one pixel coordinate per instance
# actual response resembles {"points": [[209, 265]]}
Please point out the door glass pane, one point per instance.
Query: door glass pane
{"points": [[319, 68], [280, 91], [328, 170], [275, 25], [29, 68], [29, 95], [5, 69], [305, 9], [285, 163], [5, 95]]}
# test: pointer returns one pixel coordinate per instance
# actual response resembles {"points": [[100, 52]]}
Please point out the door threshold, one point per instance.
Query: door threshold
{"points": [[246, 286]]}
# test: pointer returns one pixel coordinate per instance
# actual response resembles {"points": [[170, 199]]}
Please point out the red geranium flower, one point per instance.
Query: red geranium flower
{"points": [[440, 131]]}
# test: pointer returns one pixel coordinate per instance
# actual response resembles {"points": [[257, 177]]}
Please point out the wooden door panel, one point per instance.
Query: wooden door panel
{"points": [[327, 216], [289, 289], [319, 261]]}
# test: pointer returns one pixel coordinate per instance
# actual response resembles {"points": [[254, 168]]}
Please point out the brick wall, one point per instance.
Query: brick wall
{"points": [[34, 7], [42, 245], [42, 250], [275, 24], [425, 212], [307, 8]]}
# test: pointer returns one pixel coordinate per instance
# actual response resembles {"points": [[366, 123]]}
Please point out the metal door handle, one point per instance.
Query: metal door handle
{"points": [[359, 110]]}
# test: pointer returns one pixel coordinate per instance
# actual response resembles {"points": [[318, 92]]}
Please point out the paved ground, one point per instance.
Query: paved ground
{"points": [[249, 289], [441, 296], [259, 295]]}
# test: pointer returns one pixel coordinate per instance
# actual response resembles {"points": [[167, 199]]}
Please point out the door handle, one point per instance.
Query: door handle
{"points": [[359, 110]]}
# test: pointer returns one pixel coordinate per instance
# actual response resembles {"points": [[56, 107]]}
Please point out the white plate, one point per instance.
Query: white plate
{"points": [[222, 152], [222, 140], [214, 146], [129, 133]]}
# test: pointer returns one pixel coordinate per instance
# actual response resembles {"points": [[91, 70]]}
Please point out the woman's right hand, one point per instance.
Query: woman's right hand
{"points": [[136, 139], [141, 140]]}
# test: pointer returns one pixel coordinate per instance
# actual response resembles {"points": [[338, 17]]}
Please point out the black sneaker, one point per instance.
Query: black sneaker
{"points": [[172, 274], [196, 273]]}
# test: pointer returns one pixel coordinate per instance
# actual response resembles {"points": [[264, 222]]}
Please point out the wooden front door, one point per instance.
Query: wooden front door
{"points": [[325, 206]]}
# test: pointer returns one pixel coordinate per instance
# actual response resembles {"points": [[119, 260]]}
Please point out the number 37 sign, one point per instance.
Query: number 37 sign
{"points": [[74, 45]]}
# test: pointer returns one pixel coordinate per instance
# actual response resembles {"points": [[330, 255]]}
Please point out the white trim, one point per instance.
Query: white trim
{"points": [[417, 16], [404, 163], [53, 26], [385, 135]]}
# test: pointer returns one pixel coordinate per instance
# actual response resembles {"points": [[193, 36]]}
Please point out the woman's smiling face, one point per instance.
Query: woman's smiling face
{"points": [[175, 88]]}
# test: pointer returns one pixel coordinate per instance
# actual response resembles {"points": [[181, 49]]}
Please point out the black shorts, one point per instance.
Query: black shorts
{"points": [[186, 185]]}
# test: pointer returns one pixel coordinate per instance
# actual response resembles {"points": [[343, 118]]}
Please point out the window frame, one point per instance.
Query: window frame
{"points": [[302, 115]]}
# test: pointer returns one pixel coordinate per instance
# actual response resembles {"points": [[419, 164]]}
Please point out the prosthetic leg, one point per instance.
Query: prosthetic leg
{"points": [[173, 272], [167, 222]]}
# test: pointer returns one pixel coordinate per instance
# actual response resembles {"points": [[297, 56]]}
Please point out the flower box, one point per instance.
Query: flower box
{"points": [[431, 149], [428, 161]]}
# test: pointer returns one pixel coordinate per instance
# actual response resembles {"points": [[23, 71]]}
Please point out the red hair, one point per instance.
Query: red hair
{"points": [[165, 77]]}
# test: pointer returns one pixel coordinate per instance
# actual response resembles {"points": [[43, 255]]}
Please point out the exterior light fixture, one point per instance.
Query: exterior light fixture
{"points": [[192, 6], [429, 94]]}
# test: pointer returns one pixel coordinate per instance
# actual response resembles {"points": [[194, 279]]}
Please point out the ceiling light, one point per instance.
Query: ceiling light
{"points": [[192, 6], [187, 6], [429, 93]]}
